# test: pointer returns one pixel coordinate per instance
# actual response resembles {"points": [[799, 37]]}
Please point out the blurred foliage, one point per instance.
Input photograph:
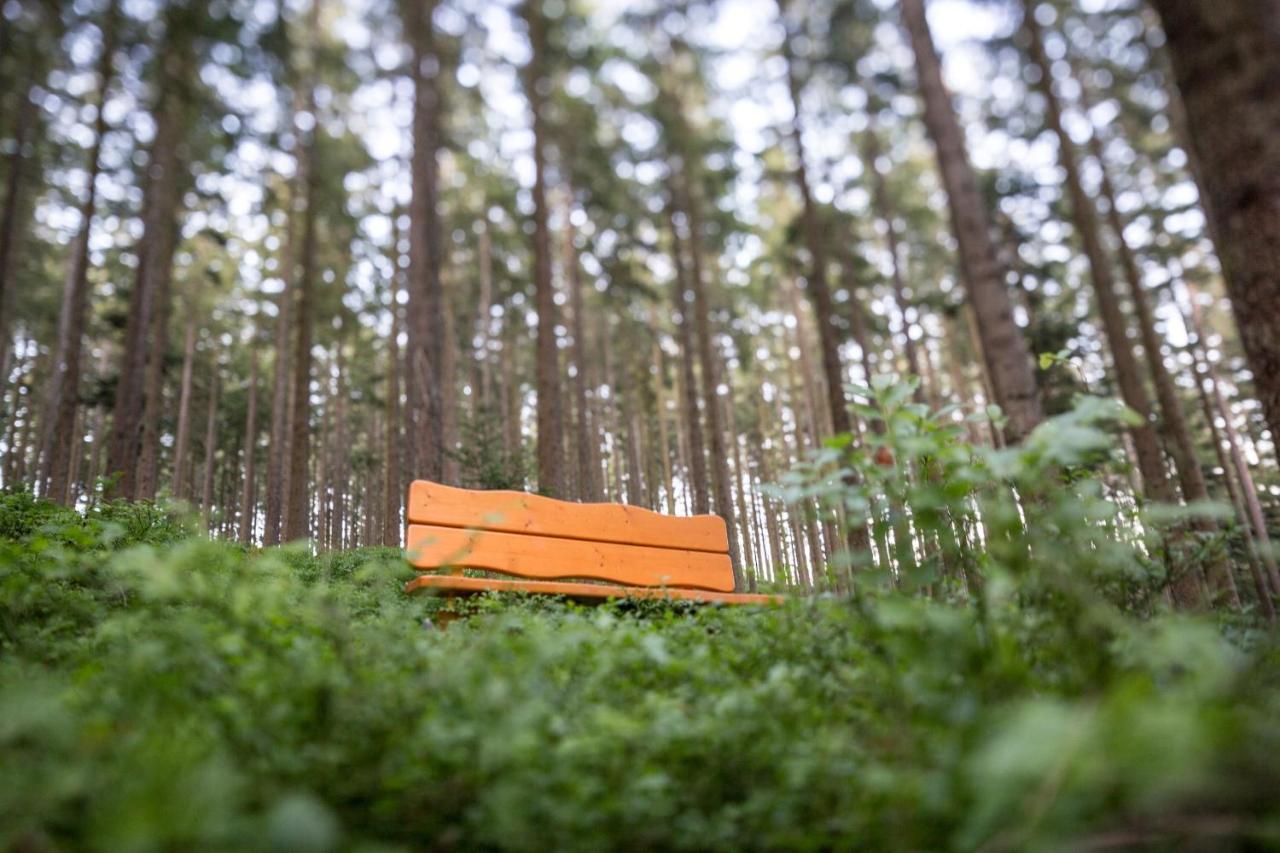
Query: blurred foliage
{"points": [[162, 691]]}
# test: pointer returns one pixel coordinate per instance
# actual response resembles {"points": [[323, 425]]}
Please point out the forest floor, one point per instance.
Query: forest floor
{"points": [[159, 690]]}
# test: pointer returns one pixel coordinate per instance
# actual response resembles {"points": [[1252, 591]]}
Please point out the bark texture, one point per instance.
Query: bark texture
{"points": [[551, 467], [1226, 59], [161, 200], [425, 415], [1008, 360]]}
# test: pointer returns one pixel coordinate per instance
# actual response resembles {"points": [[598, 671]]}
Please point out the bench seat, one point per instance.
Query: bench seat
{"points": [[549, 547], [581, 591]]}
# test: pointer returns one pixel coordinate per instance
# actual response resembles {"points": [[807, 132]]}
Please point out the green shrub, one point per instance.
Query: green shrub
{"points": [[162, 691]]}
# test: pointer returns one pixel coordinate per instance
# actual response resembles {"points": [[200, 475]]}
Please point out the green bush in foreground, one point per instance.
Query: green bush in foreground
{"points": [[187, 695]]}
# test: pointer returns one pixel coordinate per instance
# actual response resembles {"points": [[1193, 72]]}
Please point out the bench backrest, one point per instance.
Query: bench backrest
{"points": [[535, 537]]}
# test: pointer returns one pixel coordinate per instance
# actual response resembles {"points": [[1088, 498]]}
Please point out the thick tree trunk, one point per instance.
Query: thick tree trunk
{"points": [[551, 470], [295, 510], [10, 207], [425, 376], [1005, 350], [1226, 59], [63, 390], [148, 475], [298, 492], [161, 200], [278, 437]]}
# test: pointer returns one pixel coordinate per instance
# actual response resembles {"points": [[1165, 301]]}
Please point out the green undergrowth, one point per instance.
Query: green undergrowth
{"points": [[159, 691]]}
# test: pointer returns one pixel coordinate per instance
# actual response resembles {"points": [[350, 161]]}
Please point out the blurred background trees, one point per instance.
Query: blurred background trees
{"points": [[278, 259]]}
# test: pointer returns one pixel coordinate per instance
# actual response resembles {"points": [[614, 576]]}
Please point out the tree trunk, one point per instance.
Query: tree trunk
{"points": [[709, 362], [295, 511], [1005, 350], [1226, 59], [161, 201], [24, 124], [1174, 421], [660, 412], [588, 466], [884, 212], [248, 497], [392, 455], [1084, 214], [278, 438], [340, 478], [484, 371], [210, 444], [450, 468], [426, 299], [1247, 486], [298, 493], [182, 443], [815, 243], [550, 406], [512, 396], [697, 469], [63, 391]]}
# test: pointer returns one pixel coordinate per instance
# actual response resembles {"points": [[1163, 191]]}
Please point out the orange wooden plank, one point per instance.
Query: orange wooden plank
{"points": [[471, 586], [550, 558], [518, 512]]}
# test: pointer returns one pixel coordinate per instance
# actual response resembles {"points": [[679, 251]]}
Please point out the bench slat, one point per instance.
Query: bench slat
{"points": [[469, 586], [518, 512], [546, 557]]}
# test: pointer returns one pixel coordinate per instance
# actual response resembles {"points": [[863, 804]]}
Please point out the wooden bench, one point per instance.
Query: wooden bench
{"points": [[554, 547]]}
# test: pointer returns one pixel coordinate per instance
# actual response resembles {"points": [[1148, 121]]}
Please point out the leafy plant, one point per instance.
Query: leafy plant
{"points": [[161, 692]]}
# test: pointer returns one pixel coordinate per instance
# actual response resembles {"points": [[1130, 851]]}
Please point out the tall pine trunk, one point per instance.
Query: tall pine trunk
{"points": [[391, 439], [63, 390], [161, 201], [25, 119], [182, 442], [297, 499], [248, 492], [1084, 215], [588, 467], [884, 212], [1004, 349], [1173, 415], [709, 362], [550, 405], [1226, 59], [425, 361], [696, 472], [210, 444], [815, 243], [295, 510], [278, 431]]}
